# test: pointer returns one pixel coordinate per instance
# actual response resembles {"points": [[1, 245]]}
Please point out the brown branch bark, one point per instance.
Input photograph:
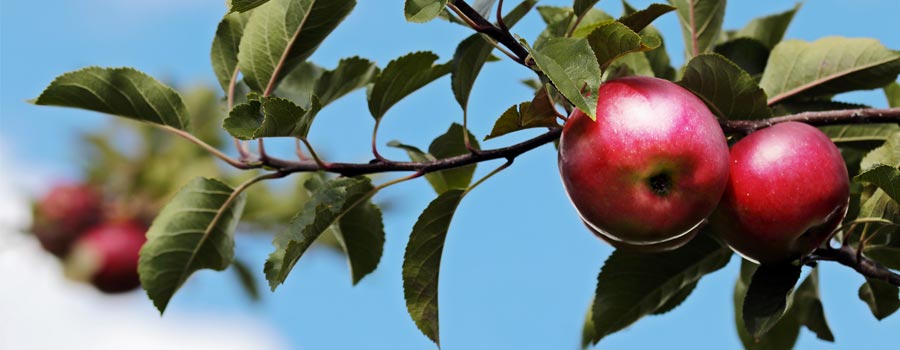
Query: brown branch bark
{"points": [[844, 116], [848, 256], [485, 27]]}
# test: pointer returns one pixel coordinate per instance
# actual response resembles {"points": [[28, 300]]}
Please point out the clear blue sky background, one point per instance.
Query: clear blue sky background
{"points": [[519, 269]]}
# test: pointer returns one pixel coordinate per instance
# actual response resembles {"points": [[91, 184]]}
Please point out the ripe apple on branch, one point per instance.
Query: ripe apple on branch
{"points": [[643, 152]]}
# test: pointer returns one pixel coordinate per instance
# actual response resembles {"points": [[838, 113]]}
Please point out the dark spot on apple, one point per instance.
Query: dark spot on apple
{"points": [[661, 184]]}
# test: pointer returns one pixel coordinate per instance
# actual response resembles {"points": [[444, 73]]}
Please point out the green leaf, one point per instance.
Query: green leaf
{"points": [[659, 58], [327, 205], [452, 144], [245, 5], [299, 85], [422, 261], [245, 277], [634, 63], [570, 64], [473, 52], [124, 92], [782, 336], [402, 77], [539, 113], [881, 297], [582, 7], [701, 23], [860, 132], [350, 74], [639, 20], [224, 52], [728, 90], [561, 19], [831, 65], [588, 335], [283, 33], [676, 299], [613, 40], [886, 254], [886, 177], [768, 30], [767, 296], [359, 232], [651, 279], [892, 92], [808, 308], [194, 231], [749, 54], [273, 117], [888, 153], [421, 11]]}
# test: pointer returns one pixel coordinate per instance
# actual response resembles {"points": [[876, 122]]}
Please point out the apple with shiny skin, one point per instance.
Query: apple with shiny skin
{"points": [[650, 169], [788, 190]]}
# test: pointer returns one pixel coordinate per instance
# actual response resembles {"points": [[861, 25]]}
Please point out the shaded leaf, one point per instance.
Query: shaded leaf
{"points": [[359, 232], [326, 205], [452, 144], [651, 279], [273, 117], [808, 308], [284, 33], [538, 113], [245, 5], [659, 57], [421, 11], [124, 92], [224, 52], [299, 85], [422, 261], [245, 277], [881, 297], [767, 296], [639, 20], [886, 177], [194, 231], [581, 7], [729, 91], [782, 336], [701, 23], [571, 66], [860, 132], [473, 52], [749, 54], [634, 63], [768, 30], [676, 299], [350, 74], [402, 77], [831, 65], [613, 40]]}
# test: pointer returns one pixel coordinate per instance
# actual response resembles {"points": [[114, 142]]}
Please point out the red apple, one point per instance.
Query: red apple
{"points": [[107, 256], [788, 191], [652, 166], [64, 214]]}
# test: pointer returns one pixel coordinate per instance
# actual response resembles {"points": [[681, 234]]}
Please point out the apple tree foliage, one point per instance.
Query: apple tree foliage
{"points": [[749, 77]]}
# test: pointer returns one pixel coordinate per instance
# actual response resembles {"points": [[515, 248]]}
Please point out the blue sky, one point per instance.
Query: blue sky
{"points": [[519, 269]]}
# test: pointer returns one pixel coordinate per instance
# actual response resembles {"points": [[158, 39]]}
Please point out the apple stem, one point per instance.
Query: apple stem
{"points": [[850, 257]]}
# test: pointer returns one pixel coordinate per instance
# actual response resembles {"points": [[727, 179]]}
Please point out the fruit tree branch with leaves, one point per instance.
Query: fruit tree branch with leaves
{"points": [[748, 90]]}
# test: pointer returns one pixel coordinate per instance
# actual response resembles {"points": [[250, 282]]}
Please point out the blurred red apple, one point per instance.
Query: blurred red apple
{"points": [[787, 193], [64, 214], [107, 256], [652, 166]]}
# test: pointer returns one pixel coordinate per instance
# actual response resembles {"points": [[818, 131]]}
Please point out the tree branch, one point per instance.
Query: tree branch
{"points": [[850, 257], [843, 116], [485, 27]]}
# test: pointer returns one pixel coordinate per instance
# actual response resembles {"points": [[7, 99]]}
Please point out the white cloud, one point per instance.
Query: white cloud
{"points": [[43, 310]]}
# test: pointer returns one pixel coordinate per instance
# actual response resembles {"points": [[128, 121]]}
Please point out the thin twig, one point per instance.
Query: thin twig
{"points": [[314, 155], [241, 146], [212, 150], [843, 116], [847, 256]]}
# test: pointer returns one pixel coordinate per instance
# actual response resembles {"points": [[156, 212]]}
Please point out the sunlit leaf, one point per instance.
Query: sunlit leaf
{"points": [[272, 117], [701, 23], [639, 20], [224, 52], [768, 30], [570, 64], [124, 92], [421, 11], [245, 5], [827, 66]]}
